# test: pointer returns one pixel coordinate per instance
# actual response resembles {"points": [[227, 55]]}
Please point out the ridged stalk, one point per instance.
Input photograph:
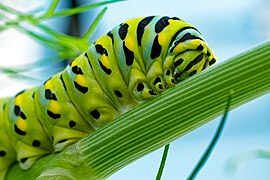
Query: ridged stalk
{"points": [[157, 122]]}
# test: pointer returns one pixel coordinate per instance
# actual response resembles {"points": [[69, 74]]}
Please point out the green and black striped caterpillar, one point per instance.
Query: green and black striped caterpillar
{"points": [[133, 62]]}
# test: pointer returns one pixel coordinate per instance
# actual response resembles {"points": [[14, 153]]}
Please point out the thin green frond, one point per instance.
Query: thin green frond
{"points": [[163, 161], [19, 15], [65, 46], [17, 74], [62, 39], [10, 10], [75, 44], [212, 144], [235, 162], [51, 8], [39, 37], [80, 9], [9, 71], [93, 26]]}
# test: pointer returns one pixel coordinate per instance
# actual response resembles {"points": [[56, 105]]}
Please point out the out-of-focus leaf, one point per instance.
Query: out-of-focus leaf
{"points": [[93, 26], [79, 9]]}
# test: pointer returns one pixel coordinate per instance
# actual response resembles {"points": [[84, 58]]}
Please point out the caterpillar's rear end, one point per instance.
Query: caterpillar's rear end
{"points": [[133, 62]]}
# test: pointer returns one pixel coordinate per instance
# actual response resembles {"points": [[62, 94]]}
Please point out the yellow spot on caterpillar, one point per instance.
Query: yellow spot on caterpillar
{"points": [[105, 60], [54, 107], [74, 63], [129, 43], [80, 79], [172, 22], [162, 38], [103, 40], [18, 100], [176, 24], [130, 21], [21, 124], [179, 48], [48, 84], [98, 41], [194, 43]]}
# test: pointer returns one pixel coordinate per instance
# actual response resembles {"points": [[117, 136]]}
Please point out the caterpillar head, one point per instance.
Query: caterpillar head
{"points": [[191, 62], [188, 54]]}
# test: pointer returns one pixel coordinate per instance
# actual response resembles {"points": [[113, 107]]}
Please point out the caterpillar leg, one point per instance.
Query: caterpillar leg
{"points": [[168, 71], [27, 155], [138, 86], [65, 136], [155, 77]]}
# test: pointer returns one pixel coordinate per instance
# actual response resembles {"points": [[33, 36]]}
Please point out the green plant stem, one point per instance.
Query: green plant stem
{"points": [[212, 144], [51, 8], [157, 122], [10, 10], [163, 161]]}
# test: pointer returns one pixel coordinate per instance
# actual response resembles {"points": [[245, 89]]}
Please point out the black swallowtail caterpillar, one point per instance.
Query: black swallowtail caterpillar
{"points": [[133, 62]]}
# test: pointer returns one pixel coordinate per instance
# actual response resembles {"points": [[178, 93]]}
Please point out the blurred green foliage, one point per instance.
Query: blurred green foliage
{"points": [[33, 24]]}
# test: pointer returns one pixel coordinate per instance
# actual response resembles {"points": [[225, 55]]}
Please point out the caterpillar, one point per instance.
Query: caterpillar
{"points": [[133, 62]]}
